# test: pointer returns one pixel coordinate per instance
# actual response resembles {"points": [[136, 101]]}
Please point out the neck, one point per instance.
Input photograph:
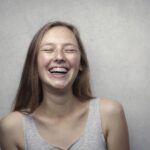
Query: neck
{"points": [[58, 104]]}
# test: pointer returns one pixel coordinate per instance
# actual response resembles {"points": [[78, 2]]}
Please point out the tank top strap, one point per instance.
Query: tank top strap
{"points": [[31, 137], [28, 129], [94, 133]]}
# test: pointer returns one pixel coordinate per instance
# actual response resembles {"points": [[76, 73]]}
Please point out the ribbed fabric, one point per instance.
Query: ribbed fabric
{"points": [[91, 139]]}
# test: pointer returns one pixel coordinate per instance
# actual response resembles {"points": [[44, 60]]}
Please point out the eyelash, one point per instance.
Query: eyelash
{"points": [[70, 50], [48, 50], [65, 50]]}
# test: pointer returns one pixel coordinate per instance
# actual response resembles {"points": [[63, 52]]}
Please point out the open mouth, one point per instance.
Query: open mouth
{"points": [[58, 70]]}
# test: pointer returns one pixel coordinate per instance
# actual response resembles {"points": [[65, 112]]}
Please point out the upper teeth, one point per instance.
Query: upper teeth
{"points": [[58, 70]]}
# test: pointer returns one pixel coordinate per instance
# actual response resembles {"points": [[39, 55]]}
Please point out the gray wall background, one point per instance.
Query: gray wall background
{"points": [[116, 35]]}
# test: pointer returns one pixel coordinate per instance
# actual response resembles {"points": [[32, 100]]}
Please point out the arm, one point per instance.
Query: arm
{"points": [[9, 132], [114, 125]]}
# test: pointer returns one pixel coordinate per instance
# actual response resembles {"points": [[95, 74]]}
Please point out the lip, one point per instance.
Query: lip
{"points": [[56, 75]]}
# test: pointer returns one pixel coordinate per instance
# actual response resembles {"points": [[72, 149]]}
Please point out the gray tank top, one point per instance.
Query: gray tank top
{"points": [[91, 139]]}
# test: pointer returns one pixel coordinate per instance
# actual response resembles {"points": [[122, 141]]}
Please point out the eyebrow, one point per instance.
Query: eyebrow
{"points": [[52, 44]]}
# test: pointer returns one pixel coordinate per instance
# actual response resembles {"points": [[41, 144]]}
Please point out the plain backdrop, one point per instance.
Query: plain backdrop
{"points": [[116, 35]]}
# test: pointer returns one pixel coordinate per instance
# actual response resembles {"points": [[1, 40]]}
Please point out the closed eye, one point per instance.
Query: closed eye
{"points": [[48, 50], [70, 50]]}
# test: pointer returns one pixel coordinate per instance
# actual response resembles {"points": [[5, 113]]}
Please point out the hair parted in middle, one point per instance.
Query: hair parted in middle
{"points": [[30, 93]]}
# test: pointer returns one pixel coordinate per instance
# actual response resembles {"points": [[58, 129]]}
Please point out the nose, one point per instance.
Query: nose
{"points": [[59, 55]]}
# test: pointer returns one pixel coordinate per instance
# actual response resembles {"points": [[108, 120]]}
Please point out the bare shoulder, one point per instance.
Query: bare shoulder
{"points": [[111, 107], [11, 121], [114, 124], [11, 132], [111, 111]]}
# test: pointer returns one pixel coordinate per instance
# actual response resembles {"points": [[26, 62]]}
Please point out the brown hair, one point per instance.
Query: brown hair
{"points": [[30, 94]]}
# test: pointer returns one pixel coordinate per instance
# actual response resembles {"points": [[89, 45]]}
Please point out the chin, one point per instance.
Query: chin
{"points": [[59, 85]]}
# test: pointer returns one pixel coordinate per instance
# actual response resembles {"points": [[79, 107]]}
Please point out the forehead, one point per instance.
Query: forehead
{"points": [[59, 34]]}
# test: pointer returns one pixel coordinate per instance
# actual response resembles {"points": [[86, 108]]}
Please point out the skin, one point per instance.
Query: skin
{"points": [[58, 51], [61, 113]]}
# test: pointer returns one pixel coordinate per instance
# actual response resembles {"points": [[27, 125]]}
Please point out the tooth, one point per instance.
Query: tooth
{"points": [[58, 70]]}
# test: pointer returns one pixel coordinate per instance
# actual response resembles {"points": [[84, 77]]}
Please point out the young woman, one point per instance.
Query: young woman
{"points": [[54, 108]]}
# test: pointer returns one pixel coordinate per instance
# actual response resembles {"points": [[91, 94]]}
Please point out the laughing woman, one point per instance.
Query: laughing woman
{"points": [[54, 107]]}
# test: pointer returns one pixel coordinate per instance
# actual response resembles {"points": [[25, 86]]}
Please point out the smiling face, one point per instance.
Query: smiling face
{"points": [[58, 58]]}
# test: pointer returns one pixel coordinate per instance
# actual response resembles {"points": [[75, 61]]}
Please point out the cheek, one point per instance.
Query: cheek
{"points": [[75, 60], [42, 60]]}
